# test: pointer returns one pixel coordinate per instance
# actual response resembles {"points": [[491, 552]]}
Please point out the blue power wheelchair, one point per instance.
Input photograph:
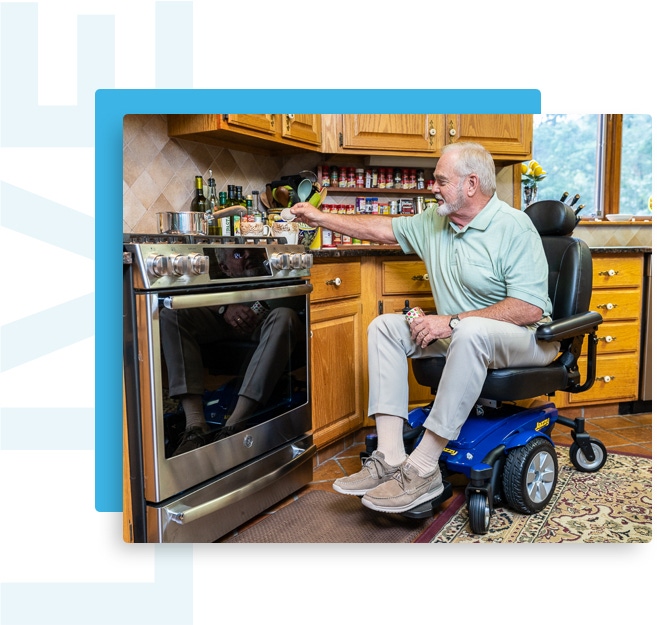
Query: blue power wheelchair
{"points": [[505, 450]]}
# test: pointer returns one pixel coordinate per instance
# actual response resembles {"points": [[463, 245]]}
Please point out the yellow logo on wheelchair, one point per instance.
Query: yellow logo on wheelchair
{"points": [[451, 452], [541, 424]]}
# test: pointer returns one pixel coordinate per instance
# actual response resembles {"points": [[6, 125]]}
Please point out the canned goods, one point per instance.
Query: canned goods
{"points": [[360, 177]]}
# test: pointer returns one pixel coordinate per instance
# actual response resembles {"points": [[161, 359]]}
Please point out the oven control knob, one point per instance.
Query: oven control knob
{"points": [[179, 264], [307, 261], [296, 261], [158, 265], [280, 261], [199, 264]]}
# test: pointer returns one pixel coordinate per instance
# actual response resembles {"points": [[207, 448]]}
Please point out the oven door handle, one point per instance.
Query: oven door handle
{"points": [[183, 514], [178, 302]]}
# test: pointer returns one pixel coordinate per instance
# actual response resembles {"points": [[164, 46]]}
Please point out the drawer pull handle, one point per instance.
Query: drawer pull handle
{"points": [[608, 306], [609, 339], [610, 273], [423, 278], [605, 378], [335, 281]]}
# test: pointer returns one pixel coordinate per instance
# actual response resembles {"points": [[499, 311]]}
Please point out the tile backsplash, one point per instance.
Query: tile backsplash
{"points": [[158, 172]]}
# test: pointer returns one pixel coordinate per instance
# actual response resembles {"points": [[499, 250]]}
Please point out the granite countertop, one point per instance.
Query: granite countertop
{"points": [[351, 251]]}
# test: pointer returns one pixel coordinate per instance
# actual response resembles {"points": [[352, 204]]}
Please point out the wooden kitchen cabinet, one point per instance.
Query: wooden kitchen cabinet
{"points": [[384, 134], [336, 347], [617, 296], [506, 137], [265, 133]]}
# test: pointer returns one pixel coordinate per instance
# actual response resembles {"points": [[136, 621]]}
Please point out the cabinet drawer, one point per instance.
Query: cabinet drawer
{"points": [[405, 277], [616, 270], [334, 281], [622, 380], [616, 336], [617, 303]]}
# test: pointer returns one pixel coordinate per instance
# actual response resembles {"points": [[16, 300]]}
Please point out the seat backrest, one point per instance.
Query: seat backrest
{"points": [[569, 259]]}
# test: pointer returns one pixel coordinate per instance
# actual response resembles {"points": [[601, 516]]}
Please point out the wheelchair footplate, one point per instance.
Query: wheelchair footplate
{"points": [[428, 508]]}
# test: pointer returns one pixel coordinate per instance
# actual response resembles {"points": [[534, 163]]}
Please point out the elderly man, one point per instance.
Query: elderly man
{"points": [[488, 276]]}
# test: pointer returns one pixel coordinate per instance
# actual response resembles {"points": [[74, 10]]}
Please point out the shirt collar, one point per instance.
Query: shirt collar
{"points": [[483, 218]]}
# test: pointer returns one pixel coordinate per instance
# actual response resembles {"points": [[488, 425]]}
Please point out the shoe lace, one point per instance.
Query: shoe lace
{"points": [[371, 462]]}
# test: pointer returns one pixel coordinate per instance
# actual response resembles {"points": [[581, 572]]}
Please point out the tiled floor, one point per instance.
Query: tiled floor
{"points": [[629, 434]]}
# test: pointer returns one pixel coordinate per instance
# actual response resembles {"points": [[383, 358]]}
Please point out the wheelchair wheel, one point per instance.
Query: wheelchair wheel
{"points": [[581, 463], [530, 476], [479, 513]]}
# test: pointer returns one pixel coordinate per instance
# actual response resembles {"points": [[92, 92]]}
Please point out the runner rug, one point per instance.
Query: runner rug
{"points": [[612, 506]]}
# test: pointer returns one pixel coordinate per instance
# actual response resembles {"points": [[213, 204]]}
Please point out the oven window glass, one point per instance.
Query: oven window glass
{"points": [[237, 262], [226, 369]]}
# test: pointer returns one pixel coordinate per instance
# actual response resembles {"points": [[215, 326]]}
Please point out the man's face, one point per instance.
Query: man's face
{"points": [[448, 187]]}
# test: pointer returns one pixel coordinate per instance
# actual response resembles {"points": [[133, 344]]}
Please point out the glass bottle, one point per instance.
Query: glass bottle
{"points": [[213, 204], [199, 201]]}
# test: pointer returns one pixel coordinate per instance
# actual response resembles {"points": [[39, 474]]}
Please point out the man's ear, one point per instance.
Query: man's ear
{"points": [[472, 184]]}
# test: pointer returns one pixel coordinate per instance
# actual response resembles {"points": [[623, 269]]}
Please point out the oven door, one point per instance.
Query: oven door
{"points": [[228, 365]]}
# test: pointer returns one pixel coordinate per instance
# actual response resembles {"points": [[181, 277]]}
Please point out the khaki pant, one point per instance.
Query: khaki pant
{"points": [[476, 345]]}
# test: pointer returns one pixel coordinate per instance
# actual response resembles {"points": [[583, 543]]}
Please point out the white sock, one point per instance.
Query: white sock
{"points": [[193, 407], [426, 455], [390, 441]]}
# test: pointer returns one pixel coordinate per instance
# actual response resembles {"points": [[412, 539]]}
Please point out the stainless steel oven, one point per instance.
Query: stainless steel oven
{"points": [[234, 470]]}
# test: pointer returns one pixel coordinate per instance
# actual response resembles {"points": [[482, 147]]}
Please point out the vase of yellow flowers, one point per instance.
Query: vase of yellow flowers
{"points": [[532, 174]]}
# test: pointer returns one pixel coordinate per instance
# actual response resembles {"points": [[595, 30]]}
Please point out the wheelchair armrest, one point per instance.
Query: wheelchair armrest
{"points": [[575, 325]]}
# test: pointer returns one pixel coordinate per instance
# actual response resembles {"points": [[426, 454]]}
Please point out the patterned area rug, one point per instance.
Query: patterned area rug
{"points": [[613, 505]]}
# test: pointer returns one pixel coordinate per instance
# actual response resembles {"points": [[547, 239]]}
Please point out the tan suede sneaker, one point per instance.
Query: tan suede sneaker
{"points": [[405, 490], [375, 471]]}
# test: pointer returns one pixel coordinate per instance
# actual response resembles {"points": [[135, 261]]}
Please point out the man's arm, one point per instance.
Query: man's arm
{"points": [[367, 227]]}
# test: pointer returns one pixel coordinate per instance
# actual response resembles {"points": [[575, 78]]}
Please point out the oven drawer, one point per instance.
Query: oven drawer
{"points": [[219, 506], [335, 281]]}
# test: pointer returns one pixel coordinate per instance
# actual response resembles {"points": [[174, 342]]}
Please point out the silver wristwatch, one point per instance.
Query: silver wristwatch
{"points": [[454, 321]]}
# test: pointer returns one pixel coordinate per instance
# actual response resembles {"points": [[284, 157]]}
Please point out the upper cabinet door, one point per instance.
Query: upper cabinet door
{"points": [[406, 135], [507, 137], [303, 128], [250, 122]]}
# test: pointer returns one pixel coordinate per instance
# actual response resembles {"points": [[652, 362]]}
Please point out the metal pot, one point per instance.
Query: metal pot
{"points": [[165, 222], [188, 222]]}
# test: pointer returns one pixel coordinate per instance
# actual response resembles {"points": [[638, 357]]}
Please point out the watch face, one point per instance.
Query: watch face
{"points": [[453, 322]]}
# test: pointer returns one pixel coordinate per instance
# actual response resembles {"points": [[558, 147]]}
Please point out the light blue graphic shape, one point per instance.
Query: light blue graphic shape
{"points": [[174, 54], [46, 428], [42, 219], [112, 105], [23, 123], [165, 601], [44, 332]]}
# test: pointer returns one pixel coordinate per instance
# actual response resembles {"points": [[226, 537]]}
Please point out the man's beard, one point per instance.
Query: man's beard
{"points": [[446, 209]]}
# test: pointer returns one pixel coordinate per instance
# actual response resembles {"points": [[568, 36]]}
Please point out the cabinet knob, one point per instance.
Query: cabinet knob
{"points": [[452, 132], [335, 282], [608, 306], [609, 339], [609, 272], [423, 278], [290, 116], [605, 378], [432, 132]]}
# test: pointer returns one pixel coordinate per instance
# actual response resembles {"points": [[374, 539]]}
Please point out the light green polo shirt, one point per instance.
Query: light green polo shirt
{"points": [[498, 254]]}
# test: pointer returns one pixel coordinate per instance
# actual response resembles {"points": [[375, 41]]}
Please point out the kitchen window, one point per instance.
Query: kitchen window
{"points": [[606, 159]]}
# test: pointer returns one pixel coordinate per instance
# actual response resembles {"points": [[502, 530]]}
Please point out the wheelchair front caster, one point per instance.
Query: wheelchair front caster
{"points": [[582, 463], [479, 513]]}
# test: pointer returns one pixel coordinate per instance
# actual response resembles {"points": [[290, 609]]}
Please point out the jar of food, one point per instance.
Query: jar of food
{"points": [[343, 177], [334, 175], [419, 175], [397, 179], [360, 177], [390, 179], [351, 177], [405, 179]]}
